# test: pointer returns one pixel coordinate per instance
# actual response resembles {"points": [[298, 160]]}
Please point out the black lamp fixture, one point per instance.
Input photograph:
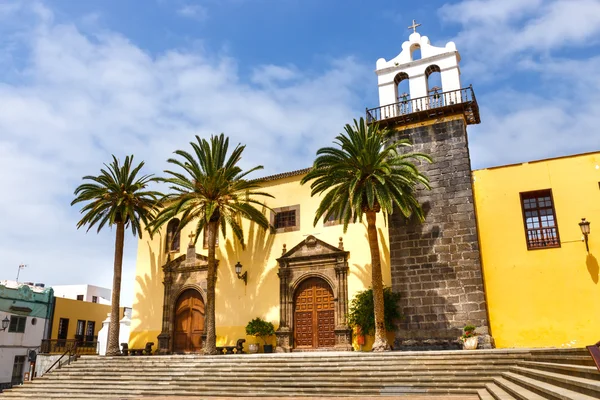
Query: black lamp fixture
{"points": [[585, 229], [238, 271], [5, 323]]}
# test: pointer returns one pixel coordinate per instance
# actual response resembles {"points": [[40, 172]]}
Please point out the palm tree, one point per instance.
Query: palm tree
{"points": [[117, 197], [211, 192], [365, 174]]}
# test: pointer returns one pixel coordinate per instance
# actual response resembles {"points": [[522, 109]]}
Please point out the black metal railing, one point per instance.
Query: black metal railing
{"points": [[433, 101], [76, 346]]}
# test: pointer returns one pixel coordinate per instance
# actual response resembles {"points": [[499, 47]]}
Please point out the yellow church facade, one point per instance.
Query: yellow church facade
{"points": [[238, 302]]}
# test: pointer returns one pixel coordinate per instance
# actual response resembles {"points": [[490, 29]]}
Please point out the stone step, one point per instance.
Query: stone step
{"points": [[575, 360], [267, 390], [249, 369], [497, 393], [484, 394], [262, 375], [583, 371], [547, 389], [517, 391], [475, 382], [575, 383]]}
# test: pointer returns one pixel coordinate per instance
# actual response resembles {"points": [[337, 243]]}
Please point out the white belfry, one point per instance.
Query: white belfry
{"points": [[433, 59]]}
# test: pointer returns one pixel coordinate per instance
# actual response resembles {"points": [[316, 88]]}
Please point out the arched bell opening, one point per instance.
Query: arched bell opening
{"points": [[433, 78]]}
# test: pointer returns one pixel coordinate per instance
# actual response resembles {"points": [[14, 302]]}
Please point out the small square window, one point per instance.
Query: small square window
{"points": [[539, 217], [94, 299], [80, 297], [17, 324], [286, 219]]}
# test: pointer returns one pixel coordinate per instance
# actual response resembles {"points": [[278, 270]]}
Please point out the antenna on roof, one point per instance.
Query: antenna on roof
{"points": [[21, 266]]}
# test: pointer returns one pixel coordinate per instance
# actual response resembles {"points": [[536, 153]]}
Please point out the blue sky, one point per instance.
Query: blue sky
{"points": [[80, 80]]}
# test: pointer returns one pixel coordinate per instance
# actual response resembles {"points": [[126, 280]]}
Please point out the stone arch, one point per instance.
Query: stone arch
{"points": [[173, 236], [188, 321], [189, 286], [188, 271], [313, 258], [314, 274]]}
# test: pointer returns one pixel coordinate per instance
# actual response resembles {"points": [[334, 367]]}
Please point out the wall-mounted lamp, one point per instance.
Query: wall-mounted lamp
{"points": [[238, 271], [5, 323], [585, 229]]}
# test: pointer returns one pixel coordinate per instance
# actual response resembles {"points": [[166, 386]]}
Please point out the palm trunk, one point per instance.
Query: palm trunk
{"points": [[380, 343], [211, 333], [113, 329]]}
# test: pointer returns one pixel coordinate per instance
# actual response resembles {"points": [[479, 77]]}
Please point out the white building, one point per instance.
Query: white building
{"points": [[91, 293], [25, 315]]}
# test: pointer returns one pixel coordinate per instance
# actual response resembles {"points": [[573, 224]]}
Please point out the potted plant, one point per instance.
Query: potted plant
{"points": [[469, 338], [260, 328]]}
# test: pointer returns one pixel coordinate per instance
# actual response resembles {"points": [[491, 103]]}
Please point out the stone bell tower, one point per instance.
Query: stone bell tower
{"points": [[435, 265]]}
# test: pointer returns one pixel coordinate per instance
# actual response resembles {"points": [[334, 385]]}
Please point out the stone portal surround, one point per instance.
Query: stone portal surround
{"points": [[436, 265], [313, 258], [187, 271]]}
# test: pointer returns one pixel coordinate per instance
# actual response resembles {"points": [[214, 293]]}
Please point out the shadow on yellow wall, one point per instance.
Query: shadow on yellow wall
{"points": [[149, 297], [592, 266]]}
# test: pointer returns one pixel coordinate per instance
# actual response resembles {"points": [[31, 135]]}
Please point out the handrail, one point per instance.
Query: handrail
{"points": [[407, 105], [595, 353], [68, 351]]}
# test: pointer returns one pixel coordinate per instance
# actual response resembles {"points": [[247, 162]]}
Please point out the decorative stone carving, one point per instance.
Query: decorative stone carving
{"points": [[313, 258], [187, 271]]}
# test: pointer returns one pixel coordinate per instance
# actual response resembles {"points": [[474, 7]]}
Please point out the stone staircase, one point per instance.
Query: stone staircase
{"points": [[487, 374]]}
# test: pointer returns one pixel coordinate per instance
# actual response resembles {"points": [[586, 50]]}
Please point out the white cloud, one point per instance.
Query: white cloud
{"points": [[498, 32], [537, 104], [194, 11], [77, 98]]}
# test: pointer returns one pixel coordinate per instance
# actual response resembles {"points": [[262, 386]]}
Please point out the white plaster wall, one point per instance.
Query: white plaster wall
{"points": [[7, 359], [32, 337], [88, 291], [124, 331], [17, 344]]}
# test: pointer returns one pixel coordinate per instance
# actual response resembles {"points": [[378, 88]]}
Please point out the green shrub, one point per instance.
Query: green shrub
{"points": [[362, 311], [260, 328]]}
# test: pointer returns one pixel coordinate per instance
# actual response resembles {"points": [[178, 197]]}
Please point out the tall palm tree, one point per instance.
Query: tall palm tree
{"points": [[365, 174], [117, 197], [211, 192]]}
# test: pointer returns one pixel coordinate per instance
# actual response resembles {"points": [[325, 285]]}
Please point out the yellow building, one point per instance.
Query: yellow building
{"points": [[75, 321], [541, 284], [237, 302]]}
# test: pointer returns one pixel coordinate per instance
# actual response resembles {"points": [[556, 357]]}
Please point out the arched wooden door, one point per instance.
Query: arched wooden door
{"points": [[189, 322], [314, 317]]}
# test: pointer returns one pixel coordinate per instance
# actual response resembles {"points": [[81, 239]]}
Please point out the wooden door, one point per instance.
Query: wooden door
{"points": [[189, 322], [314, 317]]}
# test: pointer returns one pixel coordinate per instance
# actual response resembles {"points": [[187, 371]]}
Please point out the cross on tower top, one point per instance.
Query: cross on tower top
{"points": [[414, 26], [192, 235]]}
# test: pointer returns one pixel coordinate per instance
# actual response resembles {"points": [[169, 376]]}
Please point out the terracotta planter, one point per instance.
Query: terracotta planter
{"points": [[470, 343], [253, 348]]}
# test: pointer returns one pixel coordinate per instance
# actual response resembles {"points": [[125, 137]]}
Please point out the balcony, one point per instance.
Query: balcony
{"points": [[436, 105], [85, 345]]}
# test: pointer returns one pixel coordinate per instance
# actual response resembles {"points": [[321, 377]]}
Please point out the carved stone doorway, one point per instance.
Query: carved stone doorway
{"points": [[314, 318], [313, 297], [189, 322]]}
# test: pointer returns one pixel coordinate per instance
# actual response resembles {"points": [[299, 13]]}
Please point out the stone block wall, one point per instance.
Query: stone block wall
{"points": [[436, 265]]}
